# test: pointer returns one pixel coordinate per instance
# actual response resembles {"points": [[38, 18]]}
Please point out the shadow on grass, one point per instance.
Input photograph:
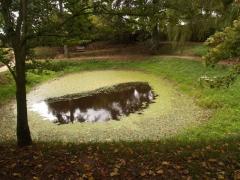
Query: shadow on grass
{"points": [[122, 160]]}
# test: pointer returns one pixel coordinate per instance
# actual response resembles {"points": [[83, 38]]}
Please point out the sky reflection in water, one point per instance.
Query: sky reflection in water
{"points": [[98, 107]]}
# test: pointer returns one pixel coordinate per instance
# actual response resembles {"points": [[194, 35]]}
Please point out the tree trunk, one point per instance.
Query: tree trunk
{"points": [[61, 10], [66, 53], [155, 37], [23, 132]]}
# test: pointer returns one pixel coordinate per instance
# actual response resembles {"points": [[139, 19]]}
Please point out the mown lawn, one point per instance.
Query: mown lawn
{"points": [[208, 151]]}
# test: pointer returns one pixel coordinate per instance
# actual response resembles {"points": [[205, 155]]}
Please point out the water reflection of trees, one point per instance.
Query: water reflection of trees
{"points": [[101, 107]]}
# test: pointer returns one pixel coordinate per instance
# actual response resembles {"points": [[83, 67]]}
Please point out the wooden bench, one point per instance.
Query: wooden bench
{"points": [[80, 48]]}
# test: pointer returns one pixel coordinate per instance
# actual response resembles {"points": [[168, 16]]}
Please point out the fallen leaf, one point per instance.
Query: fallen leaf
{"points": [[143, 173], [212, 160], [17, 174], [114, 173], [165, 163], [160, 171]]}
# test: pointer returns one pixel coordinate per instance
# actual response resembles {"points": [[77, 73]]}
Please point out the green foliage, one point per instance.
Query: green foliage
{"points": [[224, 45], [7, 87], [6, 56], [221, 81], [42, 66], [161, 20]]}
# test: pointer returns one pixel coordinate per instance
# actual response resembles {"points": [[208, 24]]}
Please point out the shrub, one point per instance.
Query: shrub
{"points": [[41, 66], [224, 45]]}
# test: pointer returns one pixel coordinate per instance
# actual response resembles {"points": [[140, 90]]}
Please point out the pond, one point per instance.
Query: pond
{"points": [[168, 114], [104, 104]]}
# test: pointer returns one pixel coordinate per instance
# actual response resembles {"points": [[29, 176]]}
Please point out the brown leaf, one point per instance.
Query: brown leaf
{"points": [[17, 175], [130, 150], [13, 165], [122, 162], [212, 160], [150, 172], [143, 173], [221, 163], [115, 150], [220, 176], [114, 173], [165, 163], [204, 164], [185, 171], [160, 171]]}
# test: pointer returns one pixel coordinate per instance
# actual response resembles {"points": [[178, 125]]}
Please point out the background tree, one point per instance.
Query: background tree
{"points": [[172, 20], [225, 45]]}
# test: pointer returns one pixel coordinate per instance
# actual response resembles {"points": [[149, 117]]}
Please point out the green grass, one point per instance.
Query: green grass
{"points": [[7, 87], [217, 139], [188, 49], [199, 50], [225, 122]]}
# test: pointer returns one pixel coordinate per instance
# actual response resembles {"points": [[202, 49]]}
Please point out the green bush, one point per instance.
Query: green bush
{"points": [[39, 67], [224, 45]]}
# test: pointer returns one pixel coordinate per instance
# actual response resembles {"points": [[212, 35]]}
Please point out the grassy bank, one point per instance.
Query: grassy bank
{"points": [[207, 151]]}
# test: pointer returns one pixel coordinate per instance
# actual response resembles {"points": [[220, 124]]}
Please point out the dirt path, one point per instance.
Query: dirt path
{"points": [[193, 58], [106, 57], [129, 57]]}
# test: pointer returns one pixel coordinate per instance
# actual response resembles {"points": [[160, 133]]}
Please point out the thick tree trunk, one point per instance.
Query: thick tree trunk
{"points": [[23, 132]]}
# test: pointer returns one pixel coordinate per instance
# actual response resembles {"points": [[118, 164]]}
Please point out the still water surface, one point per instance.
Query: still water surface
{"points": [[99, 105]]}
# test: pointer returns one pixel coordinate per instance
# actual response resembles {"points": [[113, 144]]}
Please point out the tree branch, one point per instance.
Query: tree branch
{"points": [[11, 70], [8, 20]]}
